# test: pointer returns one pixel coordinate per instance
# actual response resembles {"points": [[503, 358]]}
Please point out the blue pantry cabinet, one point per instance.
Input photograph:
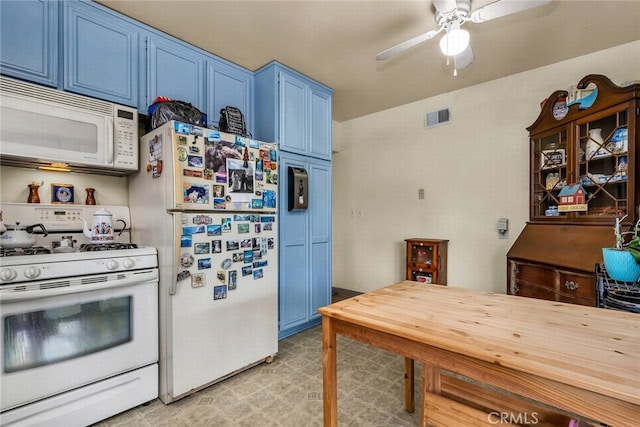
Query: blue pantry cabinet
{"points": [[295, 111], [29, 40], [304, 247]]}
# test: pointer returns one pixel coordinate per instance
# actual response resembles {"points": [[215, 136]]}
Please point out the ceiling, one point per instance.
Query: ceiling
{"points": [[335, 42]]}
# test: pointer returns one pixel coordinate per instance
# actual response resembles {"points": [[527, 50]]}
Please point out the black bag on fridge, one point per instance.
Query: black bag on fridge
{"points": [[232, 121], [161, 112]]}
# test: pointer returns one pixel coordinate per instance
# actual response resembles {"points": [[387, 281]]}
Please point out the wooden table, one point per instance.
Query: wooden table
{"points": [[583, 360]]}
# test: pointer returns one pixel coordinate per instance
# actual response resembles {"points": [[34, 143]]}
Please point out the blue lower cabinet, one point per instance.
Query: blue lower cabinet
{"points": [[304, 245], [29, 40]]}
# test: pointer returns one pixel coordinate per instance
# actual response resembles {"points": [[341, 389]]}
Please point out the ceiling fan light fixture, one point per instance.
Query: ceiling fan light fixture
{"points": [[454, 42]]}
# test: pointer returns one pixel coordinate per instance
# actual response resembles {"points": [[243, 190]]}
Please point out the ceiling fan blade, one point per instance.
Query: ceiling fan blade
{"points": [[445, 5], [464, 59], [502, 8], [406, 45]]}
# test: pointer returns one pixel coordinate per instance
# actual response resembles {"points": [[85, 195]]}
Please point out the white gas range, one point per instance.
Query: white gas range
{"points": [[79, 335]]}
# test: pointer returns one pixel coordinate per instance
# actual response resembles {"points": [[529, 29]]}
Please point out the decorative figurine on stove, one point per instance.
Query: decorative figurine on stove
{"points": [[101, 231]]}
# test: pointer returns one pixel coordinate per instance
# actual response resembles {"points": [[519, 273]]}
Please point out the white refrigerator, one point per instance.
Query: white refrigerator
{"points": [[207, 201]]}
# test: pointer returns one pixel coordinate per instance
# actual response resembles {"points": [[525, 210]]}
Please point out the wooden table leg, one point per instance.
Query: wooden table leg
{"points": [[329, 374], [409, 396], [430, 384]]}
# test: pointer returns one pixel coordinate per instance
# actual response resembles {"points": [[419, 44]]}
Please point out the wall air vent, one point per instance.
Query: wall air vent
{"points": [[437, 118]]}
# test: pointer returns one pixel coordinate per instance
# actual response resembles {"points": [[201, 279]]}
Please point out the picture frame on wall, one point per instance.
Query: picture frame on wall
{"points": [[62, 194]]}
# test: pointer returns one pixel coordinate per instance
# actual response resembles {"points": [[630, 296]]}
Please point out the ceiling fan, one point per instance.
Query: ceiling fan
{"points": [[450, 16]]}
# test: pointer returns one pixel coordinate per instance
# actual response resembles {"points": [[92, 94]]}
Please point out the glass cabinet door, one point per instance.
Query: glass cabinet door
{"points": [[549, 173], [603, 148], [579, 171]]}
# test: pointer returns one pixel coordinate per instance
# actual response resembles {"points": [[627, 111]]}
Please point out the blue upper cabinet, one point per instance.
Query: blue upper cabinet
{"points": [[229, 86], [101, 54], [293, 110], [29, 40], [319, 122], [174, 71]]}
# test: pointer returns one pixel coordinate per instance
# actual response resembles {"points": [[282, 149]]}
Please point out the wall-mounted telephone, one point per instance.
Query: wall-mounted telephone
{"points": [[298, 194]]}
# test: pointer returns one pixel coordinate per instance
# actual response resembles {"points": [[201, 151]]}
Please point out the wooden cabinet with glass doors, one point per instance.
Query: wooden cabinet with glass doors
{"points": [[584, 173], [584, 157]]}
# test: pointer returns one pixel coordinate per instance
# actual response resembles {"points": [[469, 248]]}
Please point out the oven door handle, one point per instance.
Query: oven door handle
{"points": [[135, 278]]}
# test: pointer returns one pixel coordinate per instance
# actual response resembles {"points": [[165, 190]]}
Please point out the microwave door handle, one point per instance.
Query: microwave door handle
{"points": [[110, 140]]}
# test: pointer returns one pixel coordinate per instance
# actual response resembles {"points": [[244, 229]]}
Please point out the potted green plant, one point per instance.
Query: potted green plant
{"points": [[622, 262]]}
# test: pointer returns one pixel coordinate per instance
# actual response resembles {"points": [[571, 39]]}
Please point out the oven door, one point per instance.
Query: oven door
{"points": [[58, 335]]}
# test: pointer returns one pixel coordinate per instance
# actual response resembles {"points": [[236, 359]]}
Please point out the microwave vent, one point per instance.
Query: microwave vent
{"points": [[29, 90]]}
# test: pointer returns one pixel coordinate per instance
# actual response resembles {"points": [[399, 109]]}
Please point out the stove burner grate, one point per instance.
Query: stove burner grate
{"points": [[90, 247], [34, 250]]}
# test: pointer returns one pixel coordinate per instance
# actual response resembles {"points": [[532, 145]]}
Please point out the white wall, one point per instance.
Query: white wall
{"points": [[474, 170]]}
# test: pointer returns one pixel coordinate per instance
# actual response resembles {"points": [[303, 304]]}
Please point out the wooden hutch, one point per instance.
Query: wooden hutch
{"points": [[583, 173]]}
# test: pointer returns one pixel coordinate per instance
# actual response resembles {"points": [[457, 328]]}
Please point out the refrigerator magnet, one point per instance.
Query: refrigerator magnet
{"points": [[214, 230], [226, 263], [186, 260], [222, 276], [186, 241], [233, 279], [201, 248], [183, 275], [197, 280], [219, 292], [204, 263]]}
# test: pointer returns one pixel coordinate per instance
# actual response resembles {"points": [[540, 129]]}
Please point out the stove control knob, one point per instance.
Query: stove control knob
{"points": [[32, 272], [128, 263], [7, 274], [111, 264]]}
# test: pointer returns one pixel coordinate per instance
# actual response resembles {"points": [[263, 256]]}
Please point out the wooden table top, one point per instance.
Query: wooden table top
{"points": [[588, 347]]}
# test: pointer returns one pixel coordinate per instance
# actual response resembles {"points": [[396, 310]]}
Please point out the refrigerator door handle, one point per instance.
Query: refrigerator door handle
{"points": [[177, 219]]}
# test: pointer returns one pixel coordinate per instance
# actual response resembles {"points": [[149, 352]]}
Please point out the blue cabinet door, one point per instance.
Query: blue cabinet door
{"points": [[231, 86], [319, 236], [294, 110], [29, 40], [100, 54], [319, 122], [174, 71], [304, 247], [293, 114]]}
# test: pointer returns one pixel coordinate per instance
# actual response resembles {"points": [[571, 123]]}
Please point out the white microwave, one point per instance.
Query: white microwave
{"points": [[40, 126]]}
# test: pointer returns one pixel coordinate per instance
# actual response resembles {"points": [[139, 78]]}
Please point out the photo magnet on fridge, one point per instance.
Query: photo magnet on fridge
{"points": [[219, 292], [197, 280]]}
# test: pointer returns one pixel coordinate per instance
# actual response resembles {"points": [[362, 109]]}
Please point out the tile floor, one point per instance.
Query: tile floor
{"points": [[288, 392]]}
